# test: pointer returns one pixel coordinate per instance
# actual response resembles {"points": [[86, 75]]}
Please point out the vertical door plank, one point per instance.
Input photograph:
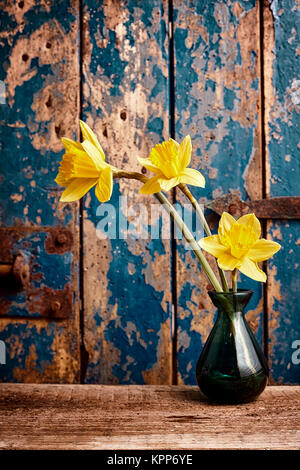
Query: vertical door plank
{"points": [[126, 281], [217, 102], [40, 73], [281, 50]]}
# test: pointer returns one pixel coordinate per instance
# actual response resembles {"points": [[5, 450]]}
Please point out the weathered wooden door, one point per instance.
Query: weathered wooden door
{"points": [[128, 310]]}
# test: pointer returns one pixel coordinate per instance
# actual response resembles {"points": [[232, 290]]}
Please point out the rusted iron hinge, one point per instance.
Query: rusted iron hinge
{"points": [[273, 208], [35, 272]]}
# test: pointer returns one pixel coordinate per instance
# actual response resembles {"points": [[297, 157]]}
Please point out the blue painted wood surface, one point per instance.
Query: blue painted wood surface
{"points": [[127, 283], [40, 71], [217, 101], [283, 175], [125, 97]]}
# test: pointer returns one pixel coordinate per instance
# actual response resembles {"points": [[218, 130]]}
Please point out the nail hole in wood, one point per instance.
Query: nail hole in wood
{"points": [[48, 45], [21, 4], [49, 102], [123, 115], [105, 132], [25, 57]]}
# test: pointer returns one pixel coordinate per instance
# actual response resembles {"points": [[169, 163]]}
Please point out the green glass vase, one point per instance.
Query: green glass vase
{"points": [[231, 367]]}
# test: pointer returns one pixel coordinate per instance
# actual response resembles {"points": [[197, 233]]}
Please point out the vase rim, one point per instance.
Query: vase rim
{"points": [[238, 293]]}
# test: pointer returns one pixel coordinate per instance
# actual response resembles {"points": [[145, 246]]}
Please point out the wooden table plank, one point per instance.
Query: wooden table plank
{"points": [[143, 417]]}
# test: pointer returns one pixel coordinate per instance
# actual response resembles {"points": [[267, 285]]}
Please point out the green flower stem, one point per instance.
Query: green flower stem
{"points": [[200, 214], [234, 280], [180, 224]]}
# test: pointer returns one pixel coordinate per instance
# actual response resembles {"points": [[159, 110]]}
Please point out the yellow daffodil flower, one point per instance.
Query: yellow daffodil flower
{"points": [[83, 166], [169, 162], [238, 245]]}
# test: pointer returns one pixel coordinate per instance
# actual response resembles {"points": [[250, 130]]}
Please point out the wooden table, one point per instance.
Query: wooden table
{"points": [[143, 417]]}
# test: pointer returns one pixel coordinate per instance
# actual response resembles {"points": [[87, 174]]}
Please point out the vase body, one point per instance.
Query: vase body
{"points": [[231, 367]]}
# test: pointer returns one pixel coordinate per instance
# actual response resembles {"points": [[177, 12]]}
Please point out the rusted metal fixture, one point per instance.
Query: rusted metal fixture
{"points": [[61, 238], [18, 271], [59, 241], [55, 306], [273, 208]]}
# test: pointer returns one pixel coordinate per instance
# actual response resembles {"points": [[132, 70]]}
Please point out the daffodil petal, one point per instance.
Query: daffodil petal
{"points": [[212, 245], [226, 221], [250, 269], [250, 220], [165, 156], [77, 188], [225, 224], [193, 177], [152, 186], [228, 262], [167, 184], [146, 162], [185, 152], [61, 180], [71, 145], [263, 250], [94, 154], [104, 186], [89, 135]]}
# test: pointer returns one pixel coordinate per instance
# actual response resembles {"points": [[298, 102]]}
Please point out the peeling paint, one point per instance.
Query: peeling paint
{"points": [[218, 104], [40, 68], [281, 24], [125, 94], [126, 101]]}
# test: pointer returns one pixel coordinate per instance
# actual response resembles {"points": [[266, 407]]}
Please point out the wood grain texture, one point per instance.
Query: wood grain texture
{"points": [[40, 72], [217, 102], [144, 417], [127, 282], [282, 108]]}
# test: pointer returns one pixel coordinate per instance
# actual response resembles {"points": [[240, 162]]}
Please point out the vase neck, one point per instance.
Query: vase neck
{"points": [[231, 301]]}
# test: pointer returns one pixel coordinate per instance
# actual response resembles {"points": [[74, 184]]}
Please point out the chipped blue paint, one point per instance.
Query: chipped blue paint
{"points": [[285, 309], [223, 146], [20, 161], [232, 157], [31, 127], [283, 155], [133, 333], [21, 339], [138, 304], [284, 127], [107, 57], [155, 125]]}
